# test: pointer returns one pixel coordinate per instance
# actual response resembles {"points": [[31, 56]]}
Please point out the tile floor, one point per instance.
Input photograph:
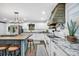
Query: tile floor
{"points": [[38, 49]]}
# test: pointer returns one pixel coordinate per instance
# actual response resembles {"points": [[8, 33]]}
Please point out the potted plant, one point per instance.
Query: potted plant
{"points": [[72, 28]]}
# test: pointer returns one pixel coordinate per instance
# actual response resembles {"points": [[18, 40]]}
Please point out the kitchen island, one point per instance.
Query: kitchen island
{"points": [[20, 39], [60, 46]]}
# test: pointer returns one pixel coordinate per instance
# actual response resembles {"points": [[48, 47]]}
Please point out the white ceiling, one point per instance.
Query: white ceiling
{"points": [[29, 12]]}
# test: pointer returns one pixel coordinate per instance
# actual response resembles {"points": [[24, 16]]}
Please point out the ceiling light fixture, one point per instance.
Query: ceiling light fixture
{"points": [[16, 16]]}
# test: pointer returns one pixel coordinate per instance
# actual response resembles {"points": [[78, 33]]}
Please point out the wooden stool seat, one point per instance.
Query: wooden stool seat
{"points": [[13, 50], [3, 48], [30, 40], [13, 47]]}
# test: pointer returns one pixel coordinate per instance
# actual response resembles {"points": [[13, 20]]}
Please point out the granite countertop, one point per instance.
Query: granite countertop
{"points": [[67, 47], [22, 36]]}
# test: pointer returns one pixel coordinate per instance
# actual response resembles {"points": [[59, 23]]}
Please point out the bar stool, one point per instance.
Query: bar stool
{"points": [[30, 43], [3, 49], [13, 50]]}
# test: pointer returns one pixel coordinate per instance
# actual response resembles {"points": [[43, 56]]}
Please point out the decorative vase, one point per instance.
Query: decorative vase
{"points": [[71, 39]]}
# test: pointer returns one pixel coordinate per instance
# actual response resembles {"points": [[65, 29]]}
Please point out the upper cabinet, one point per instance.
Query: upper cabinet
{"points": [[15, 29], [58, 14]]}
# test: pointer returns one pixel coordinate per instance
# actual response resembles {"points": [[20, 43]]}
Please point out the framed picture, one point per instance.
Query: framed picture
{"points": [[31, 26]]}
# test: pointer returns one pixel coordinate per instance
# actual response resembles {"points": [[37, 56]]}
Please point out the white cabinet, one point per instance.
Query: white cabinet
{"points": [[47, 43], [56, 51], [53, 48]]}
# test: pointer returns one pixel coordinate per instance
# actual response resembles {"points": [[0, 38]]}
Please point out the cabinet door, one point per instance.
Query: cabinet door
{"points": [[47, 43], [59, 51], [52, 49], [56, 51], [52, 52]]}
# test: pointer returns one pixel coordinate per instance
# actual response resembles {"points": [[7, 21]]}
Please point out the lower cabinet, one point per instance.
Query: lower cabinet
{"points": [[52, 48], [47, 43], [56, 51]]}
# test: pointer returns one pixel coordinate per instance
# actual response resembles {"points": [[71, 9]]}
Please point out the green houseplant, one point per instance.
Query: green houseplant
{"points": [[72, 28]]}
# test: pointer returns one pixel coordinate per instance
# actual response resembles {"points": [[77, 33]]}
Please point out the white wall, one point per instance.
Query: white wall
{"points": [[38, 26], [2, 28], [72, 11]]}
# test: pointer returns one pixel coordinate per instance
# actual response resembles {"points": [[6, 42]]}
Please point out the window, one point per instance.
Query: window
{"points": [[31, 26]]}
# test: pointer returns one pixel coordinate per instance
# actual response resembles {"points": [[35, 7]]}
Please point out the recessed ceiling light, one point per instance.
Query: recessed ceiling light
{"points": [[43, 12]]}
